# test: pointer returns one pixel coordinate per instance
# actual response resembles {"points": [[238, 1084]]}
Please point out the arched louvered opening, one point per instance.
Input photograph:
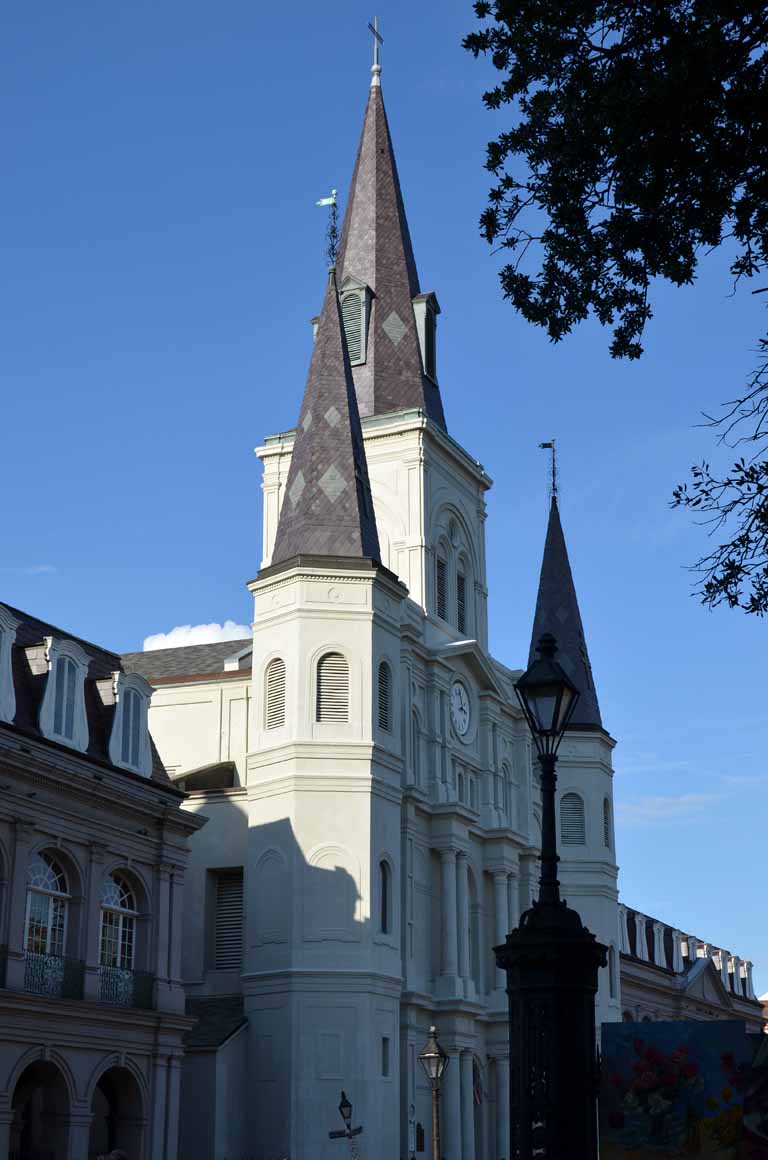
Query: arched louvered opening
{"points": [[332, 688], [385, 897], [607, 823], [275, 683], [573, 826], [385, 697], [461, 600], [441, 572], [352, 314]]}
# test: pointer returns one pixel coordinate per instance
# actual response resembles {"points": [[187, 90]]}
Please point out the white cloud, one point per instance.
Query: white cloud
{"points": [[685, 807], [32, 569], [184, 634]]}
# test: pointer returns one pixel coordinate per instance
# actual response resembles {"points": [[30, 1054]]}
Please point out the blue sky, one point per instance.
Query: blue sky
{"points": [[162, 257]]}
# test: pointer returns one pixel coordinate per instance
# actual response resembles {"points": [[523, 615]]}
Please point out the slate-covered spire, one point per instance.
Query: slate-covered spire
{"points": [[375, 249], [327, 508], [557, 611]]}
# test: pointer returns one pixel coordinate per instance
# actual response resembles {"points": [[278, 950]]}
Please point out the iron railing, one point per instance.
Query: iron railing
{"points": [[54, 976], [126, 988]]}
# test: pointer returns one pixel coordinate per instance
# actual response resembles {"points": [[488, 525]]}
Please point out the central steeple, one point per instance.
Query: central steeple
{"points": [[392, 350]]}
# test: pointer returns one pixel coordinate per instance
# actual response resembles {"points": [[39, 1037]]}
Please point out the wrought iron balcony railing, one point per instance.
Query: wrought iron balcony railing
{"points": [[54, 976], [126, 988]]}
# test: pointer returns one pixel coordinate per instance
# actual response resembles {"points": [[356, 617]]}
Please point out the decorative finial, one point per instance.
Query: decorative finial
{"points": [[377, 40], [553, 484], [332, 233]]}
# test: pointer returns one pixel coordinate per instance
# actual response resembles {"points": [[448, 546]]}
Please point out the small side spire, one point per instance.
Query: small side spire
{"points": [[327, 509], [557, 612]]}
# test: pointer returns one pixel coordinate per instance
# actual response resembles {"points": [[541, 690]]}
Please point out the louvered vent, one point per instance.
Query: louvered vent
{"points": [[228, 948], [429, 344], [352, 317], [441, 589], [461, 602], [385, 696], [607, 823], [572, 823], [333, 688], [275, 693]]}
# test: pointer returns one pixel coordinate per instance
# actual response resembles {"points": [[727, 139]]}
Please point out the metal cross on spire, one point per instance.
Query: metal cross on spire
{"points": [[377, 40], [553, 482]]}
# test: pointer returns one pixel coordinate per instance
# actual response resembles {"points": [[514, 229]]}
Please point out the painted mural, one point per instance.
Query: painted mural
{"points": [[683, 1089]]}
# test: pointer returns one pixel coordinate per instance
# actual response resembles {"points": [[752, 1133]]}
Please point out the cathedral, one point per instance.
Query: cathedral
{"points": [[373, 814]]}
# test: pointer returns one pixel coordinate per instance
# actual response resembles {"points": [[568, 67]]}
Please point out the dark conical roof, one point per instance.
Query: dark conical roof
{"points": [[376, 249], [327, 508], [557, 611]]}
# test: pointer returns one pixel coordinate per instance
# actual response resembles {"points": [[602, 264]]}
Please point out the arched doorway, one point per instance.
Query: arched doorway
{"points": [[39, 1130], [118, 1115]]}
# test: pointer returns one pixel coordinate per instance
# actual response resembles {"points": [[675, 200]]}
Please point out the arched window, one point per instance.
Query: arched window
{"points": [[461, 599], [47, 906], [385, 897], [385, 697], [332, 688], [573, 828], [275, 683], [441, 573], [118, 924], [607, 822], [64, 698], [130, 742]]}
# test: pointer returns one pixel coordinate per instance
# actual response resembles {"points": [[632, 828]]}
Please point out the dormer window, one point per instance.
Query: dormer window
{"points": [[425, 310], [129, 743], [62, 712], [354, 316], [8, 626]]}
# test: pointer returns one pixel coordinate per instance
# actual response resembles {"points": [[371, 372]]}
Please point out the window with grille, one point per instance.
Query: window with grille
{"points": [[607, 823], [228, 932], [47, 904], [573, 828], [352, 319], [440, 585], [332, 688], [461, 602], [64, 698], [275, 713], [385, 697], [118, 924]]}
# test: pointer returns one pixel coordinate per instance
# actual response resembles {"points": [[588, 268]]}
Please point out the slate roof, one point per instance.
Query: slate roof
{"points": [[557, 611], [189, 661], [218, 1017], [30, 676], [327, 508], [376, 248]]}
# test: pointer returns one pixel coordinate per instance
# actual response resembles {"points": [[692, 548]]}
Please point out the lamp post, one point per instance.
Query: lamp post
{"points": [[349, 1134], [434, 1060], [551, 961]]}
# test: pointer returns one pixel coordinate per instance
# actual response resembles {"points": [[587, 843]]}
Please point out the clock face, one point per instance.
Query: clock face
{"points": [[459, 708]]}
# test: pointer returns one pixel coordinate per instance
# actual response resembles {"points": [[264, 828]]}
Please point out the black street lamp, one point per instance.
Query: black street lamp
{"points": [[551, 962], [434, 1060]]}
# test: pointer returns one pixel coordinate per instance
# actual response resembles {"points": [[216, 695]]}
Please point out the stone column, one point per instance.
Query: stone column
{"points": [[450, 967], [23, 833], [79, 1135], [172, 1113], [677, 952], [161, 904], [6, 1119], [641, 938], [501, 916], [467, 1108], [513, 901], [92, 917], [462, 906], [748, 976], [659, 953], [736, 961], [451, 1109], [502, 1108], [157, 1103]]}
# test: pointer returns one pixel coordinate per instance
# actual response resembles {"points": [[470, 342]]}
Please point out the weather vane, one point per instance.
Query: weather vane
{"points": [[332, 233], [553, 485]]}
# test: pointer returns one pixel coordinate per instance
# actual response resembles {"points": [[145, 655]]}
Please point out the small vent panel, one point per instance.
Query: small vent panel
{"points": [[352, 318], [228, 948], [275, 693], [461, 602], [333, 688], [572, 821], [385, 696], [441, 589]]}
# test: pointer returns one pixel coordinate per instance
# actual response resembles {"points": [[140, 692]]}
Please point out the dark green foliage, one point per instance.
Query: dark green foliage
{"points": [[639, 139]]}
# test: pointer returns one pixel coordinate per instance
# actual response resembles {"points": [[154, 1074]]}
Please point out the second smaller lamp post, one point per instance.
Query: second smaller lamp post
{"points": [[434, 1060]]}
